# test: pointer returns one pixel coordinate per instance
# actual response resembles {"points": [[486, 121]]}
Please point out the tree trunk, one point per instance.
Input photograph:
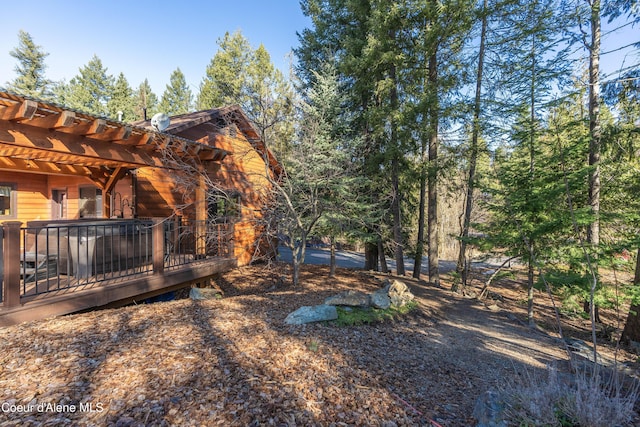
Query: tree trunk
{"points": [[370, 256], [530, 282], [397, 225], [417, 261], [295, 265], [332, 259], [298, 251], [382, 257], [462, 265], [395, 179], [432, 214], [631, 330], [595, 132]]}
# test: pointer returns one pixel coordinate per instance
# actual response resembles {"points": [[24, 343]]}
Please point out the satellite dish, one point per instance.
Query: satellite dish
{"points": [[160, 122]]}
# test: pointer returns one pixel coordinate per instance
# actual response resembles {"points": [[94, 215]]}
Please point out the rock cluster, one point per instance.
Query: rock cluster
{"points": [[201, 294], [392, 294]]}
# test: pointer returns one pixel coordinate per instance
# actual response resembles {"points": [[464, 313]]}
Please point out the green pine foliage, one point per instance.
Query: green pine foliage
{"points": [[121, 104], [90, 90], [226, 74], [177, 97], [240, 75], [146, 102], [30, 69]]}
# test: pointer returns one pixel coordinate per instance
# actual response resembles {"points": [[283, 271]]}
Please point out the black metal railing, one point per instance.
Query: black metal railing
{"points": [[50, 256], [188, 241], [56, 256]]}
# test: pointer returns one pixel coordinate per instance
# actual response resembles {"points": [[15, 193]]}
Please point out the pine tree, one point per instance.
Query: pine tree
{"points": [[474, 152], [121, 105], [226, 74], [30, 70], [622, 143], [316, 191], [266, 97], [239, 75], [177, 97], [146, 102], [91, 90], [530, 45]]}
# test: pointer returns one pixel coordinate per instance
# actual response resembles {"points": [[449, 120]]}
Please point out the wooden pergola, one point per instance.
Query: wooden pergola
{"points": [[45, 138]]}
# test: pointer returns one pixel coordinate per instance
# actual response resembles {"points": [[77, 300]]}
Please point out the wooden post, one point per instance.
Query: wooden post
{"points": [[231, 237], [157, 238], [11, 263], [201, 217], [106, 204]]}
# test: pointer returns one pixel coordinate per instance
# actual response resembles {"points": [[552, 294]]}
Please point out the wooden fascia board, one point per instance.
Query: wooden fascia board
{"points": [[39, 167]]}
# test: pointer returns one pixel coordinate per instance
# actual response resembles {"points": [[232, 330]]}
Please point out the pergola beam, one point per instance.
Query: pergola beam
{"points": [[24, 110], [64, 119], [81, 148]]}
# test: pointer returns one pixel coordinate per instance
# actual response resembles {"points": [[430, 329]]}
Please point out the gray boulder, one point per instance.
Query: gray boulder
{"points": [[201, 294], [309, 314], [399, 293], [350, 299], [380, 299]]}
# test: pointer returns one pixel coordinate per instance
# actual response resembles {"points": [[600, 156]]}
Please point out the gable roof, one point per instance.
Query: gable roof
{"points": [[193, 126]]}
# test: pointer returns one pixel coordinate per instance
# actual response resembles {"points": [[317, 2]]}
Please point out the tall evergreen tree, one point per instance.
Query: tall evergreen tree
{"points": [[91, 89], [121, 104], [474, 150], [226, 74], [30, 69], [146, 101], [177, 97], [366, 38], [240, 75], [442, 27], [316, 193], [534, 66]]}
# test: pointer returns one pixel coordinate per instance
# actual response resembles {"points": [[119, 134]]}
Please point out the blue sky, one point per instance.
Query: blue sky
{"points": [[145, 38], [151, 38]]}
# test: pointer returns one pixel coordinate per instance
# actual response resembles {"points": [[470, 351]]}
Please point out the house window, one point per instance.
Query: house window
{"points": [[58, 204], [224, 206], [7, 201], [90, 203]]}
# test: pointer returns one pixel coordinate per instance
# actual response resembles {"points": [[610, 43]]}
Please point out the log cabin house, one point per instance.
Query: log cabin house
{"points": [[98, 212]]}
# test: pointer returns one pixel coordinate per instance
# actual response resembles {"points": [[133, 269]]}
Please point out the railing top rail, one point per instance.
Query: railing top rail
{"points": [[105, 223]]}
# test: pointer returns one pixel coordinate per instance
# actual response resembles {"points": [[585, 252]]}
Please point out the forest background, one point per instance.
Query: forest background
{"points": [[434, 129]]}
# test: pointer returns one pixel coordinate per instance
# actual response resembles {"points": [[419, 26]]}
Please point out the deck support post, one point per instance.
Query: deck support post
{"points": [[11, 263], [157, 238], [201, 216], [231, 237]]}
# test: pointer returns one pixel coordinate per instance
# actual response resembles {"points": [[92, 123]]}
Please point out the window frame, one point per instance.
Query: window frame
{"points": [[13, 200], [97, 199]]}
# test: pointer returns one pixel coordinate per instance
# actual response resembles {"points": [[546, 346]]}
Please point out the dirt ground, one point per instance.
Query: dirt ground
{"points": [[233, 361]]}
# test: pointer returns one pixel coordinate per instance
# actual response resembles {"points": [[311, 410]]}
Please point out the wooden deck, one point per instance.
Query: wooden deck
{"points": [[134, 260], [117, 291]]}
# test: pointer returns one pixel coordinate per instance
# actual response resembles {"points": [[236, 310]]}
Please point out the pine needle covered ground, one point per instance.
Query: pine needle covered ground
{"points": [[233, 361]]}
